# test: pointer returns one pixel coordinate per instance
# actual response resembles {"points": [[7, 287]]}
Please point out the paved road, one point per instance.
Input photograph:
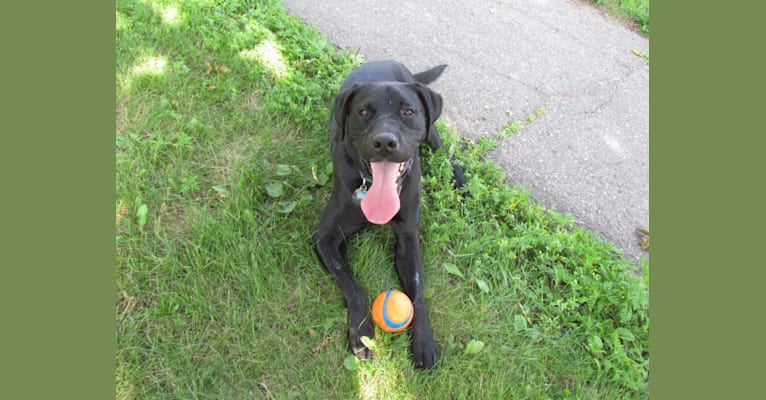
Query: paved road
{"points": [[588, 154]]}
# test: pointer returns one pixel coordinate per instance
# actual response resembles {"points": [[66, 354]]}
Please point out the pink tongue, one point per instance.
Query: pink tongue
{"points": [[382, 200]]}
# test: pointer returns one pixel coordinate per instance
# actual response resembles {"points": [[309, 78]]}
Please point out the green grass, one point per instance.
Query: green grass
{"points": [[635, 11], [222, 171]]}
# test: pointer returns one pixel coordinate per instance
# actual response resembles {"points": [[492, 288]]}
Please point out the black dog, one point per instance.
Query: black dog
{"points": [[381, 115]]}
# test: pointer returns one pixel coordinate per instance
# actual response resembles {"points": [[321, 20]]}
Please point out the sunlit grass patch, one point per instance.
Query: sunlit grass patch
{"points": [[122, 21], [171, 15], [267, 54], [156, 65]]}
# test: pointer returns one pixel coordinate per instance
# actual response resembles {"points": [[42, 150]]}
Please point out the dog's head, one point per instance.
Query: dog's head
{"points": [[385, 121]]}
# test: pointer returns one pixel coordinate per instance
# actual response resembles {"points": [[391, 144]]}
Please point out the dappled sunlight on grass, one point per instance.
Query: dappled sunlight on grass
{"points": [[383, 377], [167, 11], [121, 21], [268, 55], [152, 66], [147, 65], [170, 16], [389, 373]]}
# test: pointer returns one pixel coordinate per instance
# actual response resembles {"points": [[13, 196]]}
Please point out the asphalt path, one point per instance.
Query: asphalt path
{"points": [[587, 153]]}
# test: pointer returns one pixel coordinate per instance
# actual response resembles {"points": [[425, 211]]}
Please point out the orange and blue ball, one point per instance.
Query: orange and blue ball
{"points": [[392, 310]]}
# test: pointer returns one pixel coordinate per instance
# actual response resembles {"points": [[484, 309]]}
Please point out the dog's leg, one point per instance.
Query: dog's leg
{"points": [[410, 270], [332, 230], [434, 141]]}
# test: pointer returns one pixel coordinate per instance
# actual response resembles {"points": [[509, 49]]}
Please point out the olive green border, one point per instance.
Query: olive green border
{"points": [[58, 200], [707, 208]]}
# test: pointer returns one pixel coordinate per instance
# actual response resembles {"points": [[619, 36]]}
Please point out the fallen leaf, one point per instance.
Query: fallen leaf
{"points": [[283, 170], [482, 285], [273, 189], [453, 269], [368, 342], [142, 214], [473, 347], [220, 192], [519, 322], [350, 363], [287, 207], [643, 242]]}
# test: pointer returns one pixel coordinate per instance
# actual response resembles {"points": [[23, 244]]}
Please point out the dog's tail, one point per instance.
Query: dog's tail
{"points": [[431, 75]]}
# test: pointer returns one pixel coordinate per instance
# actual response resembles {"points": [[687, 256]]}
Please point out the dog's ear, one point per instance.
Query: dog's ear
{"points": [[432, 105], [340, 110]]}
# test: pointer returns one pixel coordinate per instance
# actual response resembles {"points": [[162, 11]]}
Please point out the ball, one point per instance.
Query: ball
{"points": [[392, 311]]}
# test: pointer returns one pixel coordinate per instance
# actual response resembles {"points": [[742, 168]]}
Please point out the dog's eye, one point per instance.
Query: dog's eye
{"points": [[408, 112], [364, 113]]}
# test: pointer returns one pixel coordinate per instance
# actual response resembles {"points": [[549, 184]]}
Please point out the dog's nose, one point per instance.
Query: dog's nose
{"points": [[384, 142]]}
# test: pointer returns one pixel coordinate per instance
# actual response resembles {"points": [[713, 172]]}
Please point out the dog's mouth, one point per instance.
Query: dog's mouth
{"points": [[381, 203]]}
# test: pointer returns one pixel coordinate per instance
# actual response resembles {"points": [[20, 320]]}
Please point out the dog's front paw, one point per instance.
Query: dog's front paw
{"points": [[461, 183], [355, 340], [361, 351], [425, 354]]}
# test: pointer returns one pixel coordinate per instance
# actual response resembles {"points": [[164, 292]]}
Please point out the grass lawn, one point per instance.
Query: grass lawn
{"points": [[222, 171]]}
